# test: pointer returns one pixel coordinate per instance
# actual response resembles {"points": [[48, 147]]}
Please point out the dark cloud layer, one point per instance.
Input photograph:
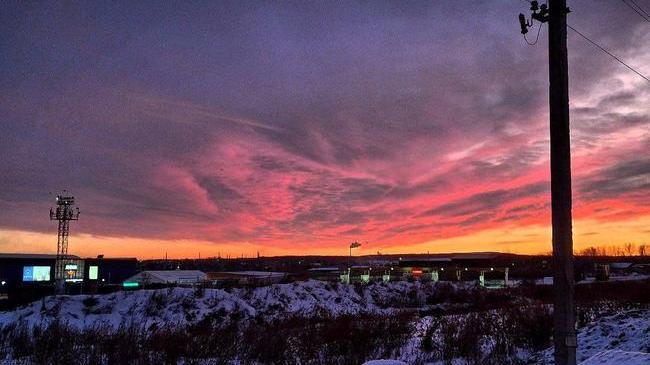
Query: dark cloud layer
{"points": [[487, 201], [632, 176]]}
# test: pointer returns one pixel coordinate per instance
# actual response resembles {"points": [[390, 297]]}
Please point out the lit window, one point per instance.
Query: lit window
{"points": [[92, 272]]}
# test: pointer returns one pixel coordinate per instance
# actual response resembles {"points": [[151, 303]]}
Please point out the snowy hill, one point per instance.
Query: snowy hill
{"points": [[255, 313], [184, 305], [618, 358], [627, 331]]}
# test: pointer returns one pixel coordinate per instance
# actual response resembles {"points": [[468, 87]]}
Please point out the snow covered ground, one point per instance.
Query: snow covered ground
{"points": [[384, 362], [618, 358], [184, 305], [627, 331], [622, 338]]}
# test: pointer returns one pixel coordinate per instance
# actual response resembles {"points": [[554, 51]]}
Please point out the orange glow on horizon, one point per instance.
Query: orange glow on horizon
{"points": [[530, 239]]}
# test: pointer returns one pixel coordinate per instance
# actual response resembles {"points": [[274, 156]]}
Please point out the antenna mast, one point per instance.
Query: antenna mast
{"points": [[64, 213]]}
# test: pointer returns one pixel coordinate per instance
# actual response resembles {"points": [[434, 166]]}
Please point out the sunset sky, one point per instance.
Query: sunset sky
{"points": [[296, 127]]}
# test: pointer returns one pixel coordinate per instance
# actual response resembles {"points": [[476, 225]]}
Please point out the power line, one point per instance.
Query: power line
{"points": [[645, 17], [640, 8], [524, 25], [609, 53], [536, 38]]}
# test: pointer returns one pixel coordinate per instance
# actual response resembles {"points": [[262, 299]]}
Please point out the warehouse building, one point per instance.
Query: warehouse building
{"points": [[25, 277], [20, 270], [165, 277], [247, 277], [481, 266], [325, 273]]}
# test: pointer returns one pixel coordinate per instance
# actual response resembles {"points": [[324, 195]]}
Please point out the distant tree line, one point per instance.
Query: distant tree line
{"points": [[627, 249]]}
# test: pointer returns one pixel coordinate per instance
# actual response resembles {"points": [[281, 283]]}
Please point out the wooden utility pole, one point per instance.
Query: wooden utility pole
{"points": [[564, 334]]}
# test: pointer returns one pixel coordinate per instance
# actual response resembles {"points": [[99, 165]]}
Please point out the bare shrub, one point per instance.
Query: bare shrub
{"points": [[90, 302], [156, 303], [19, 340]]}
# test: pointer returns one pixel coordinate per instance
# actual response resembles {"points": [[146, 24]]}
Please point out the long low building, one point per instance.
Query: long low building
{"points": [[458, 266], [325, 273], [181, 277], [248, 277]]}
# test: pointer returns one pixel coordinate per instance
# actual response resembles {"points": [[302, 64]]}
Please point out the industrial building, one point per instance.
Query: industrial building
{"points": [[25, 276], [366, 273], [332, 273], [247, 277], [165, 277], [33, 269], [459, 266]]}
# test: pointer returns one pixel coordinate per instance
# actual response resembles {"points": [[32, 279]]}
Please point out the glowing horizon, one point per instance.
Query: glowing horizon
{"points": [[533, 239]]}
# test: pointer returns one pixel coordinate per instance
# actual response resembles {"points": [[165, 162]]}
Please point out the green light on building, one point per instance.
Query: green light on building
{"points": [[130, 284]]}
